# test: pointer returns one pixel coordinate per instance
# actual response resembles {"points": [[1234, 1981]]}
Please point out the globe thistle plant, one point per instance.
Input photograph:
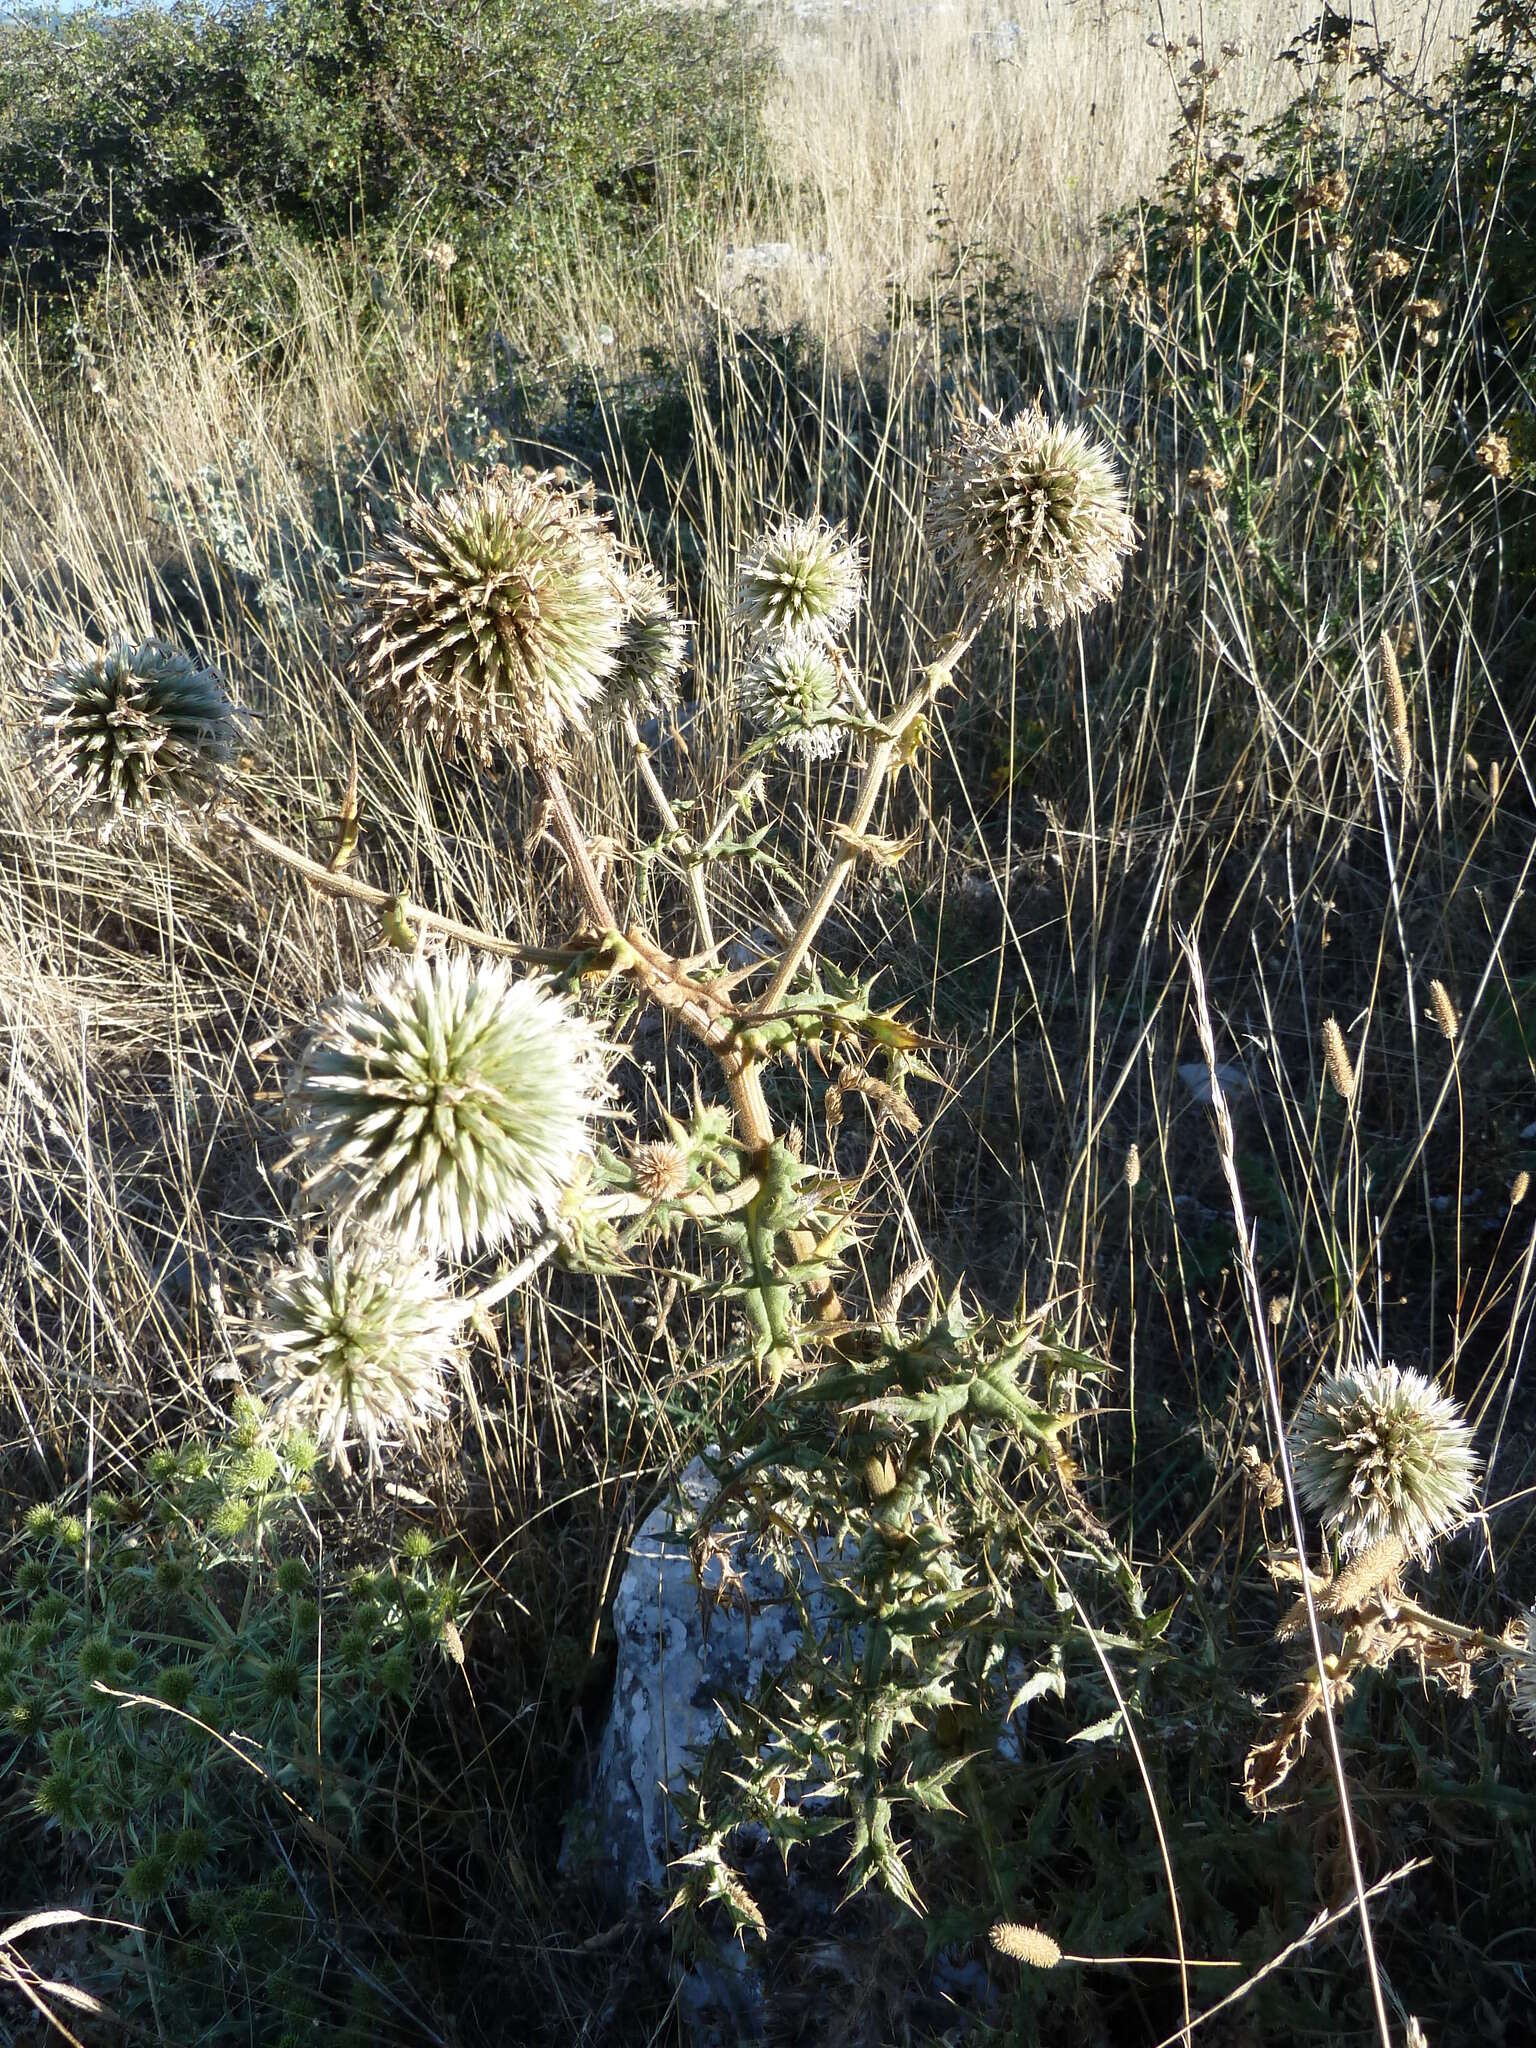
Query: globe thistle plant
{"points": [[803, 578], [492, 617], [653, 646], [1379, 1452], [137, 736], [450, 1103], [357, 1343], [792, 694], [1031, 514]]}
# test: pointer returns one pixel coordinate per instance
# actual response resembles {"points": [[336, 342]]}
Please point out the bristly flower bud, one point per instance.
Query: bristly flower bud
{"points": [[1379, 1452], [136, 736], [661, 1170], [803, 577], [450, 1103], [653, 646], [492, 617], [1519, 1661], [792, 694], [1031, 1945], [1032, 514], [357, 1344]]}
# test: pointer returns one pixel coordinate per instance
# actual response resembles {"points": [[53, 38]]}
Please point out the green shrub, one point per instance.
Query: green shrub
{"points": [[493, 123], [180, 1693]]}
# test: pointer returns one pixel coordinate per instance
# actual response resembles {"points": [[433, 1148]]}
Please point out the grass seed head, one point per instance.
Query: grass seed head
{"points": [[450, 1102], [1444, 1011], [357, 1342], [803, 578], [1341, 1068], [792, 694], [1031, 514], [1031, 1945], [1519, 1188], [137, 736], [492, 617], [1379, 1452]]}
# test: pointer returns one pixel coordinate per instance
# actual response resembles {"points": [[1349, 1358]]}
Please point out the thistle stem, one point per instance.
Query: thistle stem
{"points": [[876, 770], [684, 844], [335, 882]]}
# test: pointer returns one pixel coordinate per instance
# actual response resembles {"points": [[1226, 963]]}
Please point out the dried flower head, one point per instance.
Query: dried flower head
{"points": [[136, 736], [653, 646], [802, 578], [792, 694], [1031, 1945], [449, 1103], [1222, 205], [492, 616], [1341, 1068], [1033, 514], [1207, 483], [661, 1170], [1325, 195], [1341, 339], [1495, 455], [1387, 266], [357, 1343], [1380, 1452]]}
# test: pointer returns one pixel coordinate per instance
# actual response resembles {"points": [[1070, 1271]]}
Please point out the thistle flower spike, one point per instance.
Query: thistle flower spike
{"points": [[357, 1342], [1030, 514], [802, 577], [1380, 1452], [492, 617], [137, 736], [450, 1102]]}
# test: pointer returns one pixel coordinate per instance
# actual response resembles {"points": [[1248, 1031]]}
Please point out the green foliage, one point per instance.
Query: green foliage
{"points": [[184, 1692], [493, 124]]}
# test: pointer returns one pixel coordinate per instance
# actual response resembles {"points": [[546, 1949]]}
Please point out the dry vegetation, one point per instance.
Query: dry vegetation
{"points": [[1221, 762]]}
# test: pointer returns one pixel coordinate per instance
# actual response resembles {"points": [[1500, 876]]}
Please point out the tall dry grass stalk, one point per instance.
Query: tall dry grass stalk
{"points": [[902, 130]]}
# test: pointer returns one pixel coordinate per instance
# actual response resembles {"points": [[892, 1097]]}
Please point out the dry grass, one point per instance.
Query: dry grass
{"points": [[1222, 757], [900, 131]]}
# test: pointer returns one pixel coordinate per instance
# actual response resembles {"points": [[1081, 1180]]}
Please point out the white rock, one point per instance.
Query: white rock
{"points": [[672, 1669], [1196, 1077]]}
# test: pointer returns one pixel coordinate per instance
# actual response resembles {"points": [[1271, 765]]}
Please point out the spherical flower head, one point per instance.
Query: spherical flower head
{"points": [[1519, 1660], [792, 694], [138, 736], [653, 646], [1379, 1451], [1031, 514], [492, 617], [449, 1103], [357, 1343], [803, 577], [661, 1170]]}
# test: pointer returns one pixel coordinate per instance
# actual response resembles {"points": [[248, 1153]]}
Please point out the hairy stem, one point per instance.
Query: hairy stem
{"points": [[684, 844], [876, 770], [334, 882]]}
